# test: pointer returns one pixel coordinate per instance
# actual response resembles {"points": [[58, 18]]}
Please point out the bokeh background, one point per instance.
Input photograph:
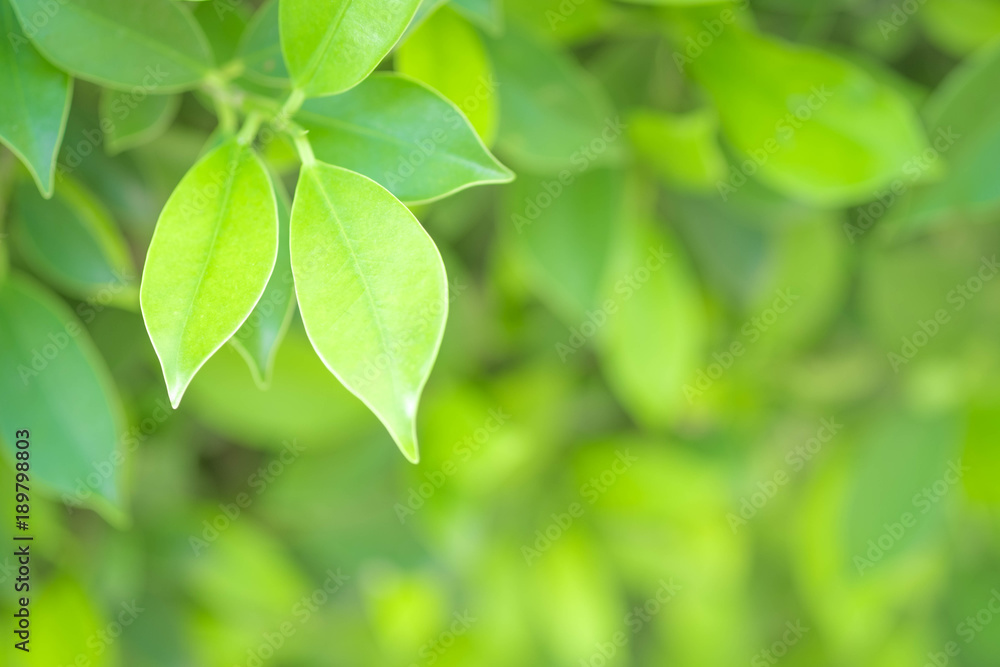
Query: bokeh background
{"points": [[719, 384]]}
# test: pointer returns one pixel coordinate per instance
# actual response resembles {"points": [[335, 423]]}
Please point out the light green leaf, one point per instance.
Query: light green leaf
{"points": [[332, 45], [448, 55], [372, 291], [806, 123], [958, 27], [681, 148], [402, 134], [260, 48], [131, 120], [655, 330], [884, 491], [564, 231], [551, 111], [154, 44], [66, 623], [209, 262], [964, 123], [35, 104], [981, 455], [56, 386], [73, 242], [259, 337]]}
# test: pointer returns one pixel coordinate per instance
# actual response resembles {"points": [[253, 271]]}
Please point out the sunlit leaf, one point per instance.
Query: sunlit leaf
{"points": [[372, 292], [209, 261], [331, 45]]}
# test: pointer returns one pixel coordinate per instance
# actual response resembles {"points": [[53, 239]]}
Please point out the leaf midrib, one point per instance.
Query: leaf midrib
{"points": [[361, 275]]}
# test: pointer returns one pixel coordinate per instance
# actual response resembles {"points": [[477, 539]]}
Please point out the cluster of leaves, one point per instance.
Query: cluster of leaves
{"points": [[365, 275], [733, 321]]}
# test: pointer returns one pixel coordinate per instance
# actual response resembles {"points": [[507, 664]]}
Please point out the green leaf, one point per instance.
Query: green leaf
{"points": [[56, 386], [564, 233], [130, 120], [36, 103], [332, 45], [402, 134], [73, 242], [258, 339], [209, 262], [681, 148], [810, 125], [260, 48], [551, 111], [372, 291], [153, 44], [884, 490], [655, 330], [448, 55], [964, 123]]}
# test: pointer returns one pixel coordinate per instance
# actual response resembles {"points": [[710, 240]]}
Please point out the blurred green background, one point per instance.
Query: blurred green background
{"points": [[719, 384]]}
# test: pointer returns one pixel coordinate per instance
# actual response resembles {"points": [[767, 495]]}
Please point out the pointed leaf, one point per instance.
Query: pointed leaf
{"points": [[129, 121], [372, 292], [72, 241], [209, 261], [56, 386], [35, 104], [259, 337], [402, 134], [332, 45], [153, 44]]}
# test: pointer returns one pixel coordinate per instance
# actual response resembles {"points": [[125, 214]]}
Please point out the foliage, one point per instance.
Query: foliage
{"points": [[713, 333]]}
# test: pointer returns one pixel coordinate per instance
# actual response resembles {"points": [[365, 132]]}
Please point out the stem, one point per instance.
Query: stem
{"points": [[250, 126], [292, 104], [305, 150]]}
